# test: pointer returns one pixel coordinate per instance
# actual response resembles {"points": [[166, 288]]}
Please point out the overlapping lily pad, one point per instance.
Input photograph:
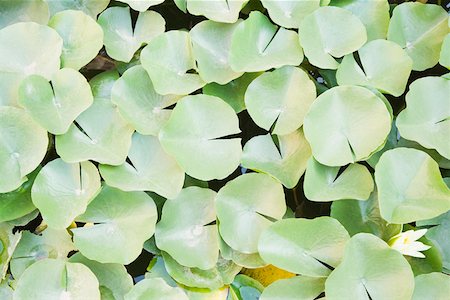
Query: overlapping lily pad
{"points": [[23, 11], [141, 5], [155, 288], [89, 7], [290, 14], [8, 244], [431, 286], [295, 288], [223, 11]]}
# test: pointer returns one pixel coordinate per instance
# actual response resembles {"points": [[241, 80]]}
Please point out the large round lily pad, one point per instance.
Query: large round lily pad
{"points": [[295, 288], [431, 286], [290, 14]]}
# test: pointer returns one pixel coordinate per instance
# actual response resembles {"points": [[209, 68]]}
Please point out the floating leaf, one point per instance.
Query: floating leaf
{"points": [[295, 288], [123, 221], [323, 183], [431, 286], [439, 236], [155, 288], [252, 260], [8, 244], [410, 186], [101, 84], [57, 104], [370, 268], [286, 163], [193, 135], [258, 45], [280, 99], [419, 29], [89, 7], [426, 118], [304, 246], [328, 33], [445, 52], [141, 5], [62, 191], [290, 14], [169, 61], [224, 11], [23, 145], [245, 287], [248, 205], [346, 124], [23, 11], [186, 231], [120, 38], [62, 280]]}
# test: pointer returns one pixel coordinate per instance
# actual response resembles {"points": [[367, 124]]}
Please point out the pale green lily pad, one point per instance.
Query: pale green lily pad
{"points": [[218, 276], [285, 161], [89, 7], [211, 43], [23, 11], [304, 246], [169, 60], [410, 186], [24, 220], [139, 103], [370, 267], [295, 288], [185, 231], [438, 235], [290, 14], [419, 29], [23, 145], [445, 52], [149, 169], [245, 288], [114, 280], [258, 45], [224, 11], [141, 5], [193, 136], [62, 191], [426, 118], [280, 99], [123, 221], [346, 124], [377, 58], [101, 84], [82, 36], [431, 286], [51, 243], [251, 261], [322, 183], [54, 279], [328, 33], [57, 104], [155, 288], [6, 291], [121, 41], [8, 244], [374, 14], [99, 133], [248, 205]]}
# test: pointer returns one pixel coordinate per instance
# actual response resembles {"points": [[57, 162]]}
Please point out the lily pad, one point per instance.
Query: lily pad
{"points": [[304, 246], [295, 288], [431, 286], [445, 52], [8, 244], [280, 99], [346, 124], [102, 84], [193, 135], [290, 14], [328, 33], [89, 7], [438, 235], [23, 145], [121, 39], [23, 11], [410, 186], [248, 204], [120, 219], [250, 261], [223, 11], [155, 288], [62, 191], [370, 268], [141, 5], [57, 104], [258, 45]]}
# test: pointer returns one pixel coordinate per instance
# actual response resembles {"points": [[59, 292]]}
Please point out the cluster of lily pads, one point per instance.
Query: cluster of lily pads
{"points": [[121, 162]]}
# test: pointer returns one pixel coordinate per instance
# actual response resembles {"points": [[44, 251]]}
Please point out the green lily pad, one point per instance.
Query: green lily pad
{"points": [[431, 286], [346, 124], [370, 268], [102, 84], [62, 280], [123, 221], [114, 280], [211, 43], [23, 11], [328, 33], [250, 261], [438, 235], [322, 183], [290, 14], [121, 39], [419, 29], [223, 11], [82, 37], [155, 288], [193, 136], [8, 244], [295, 288], [410, 186], [280, 99], [62, 191], [89, 7], [248, 205], [149, 169], [285, 161], [258, 45], [304, 246], [51, 243], [444, 59], [57, 104], [169, 61], [139, 103], [6, 291], [141, 5], [377, 58], [426, 118], [23, 145], [185, 231]]}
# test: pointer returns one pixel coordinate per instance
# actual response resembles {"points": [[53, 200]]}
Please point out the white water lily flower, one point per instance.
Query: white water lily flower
{"points": [[407, 244]]}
